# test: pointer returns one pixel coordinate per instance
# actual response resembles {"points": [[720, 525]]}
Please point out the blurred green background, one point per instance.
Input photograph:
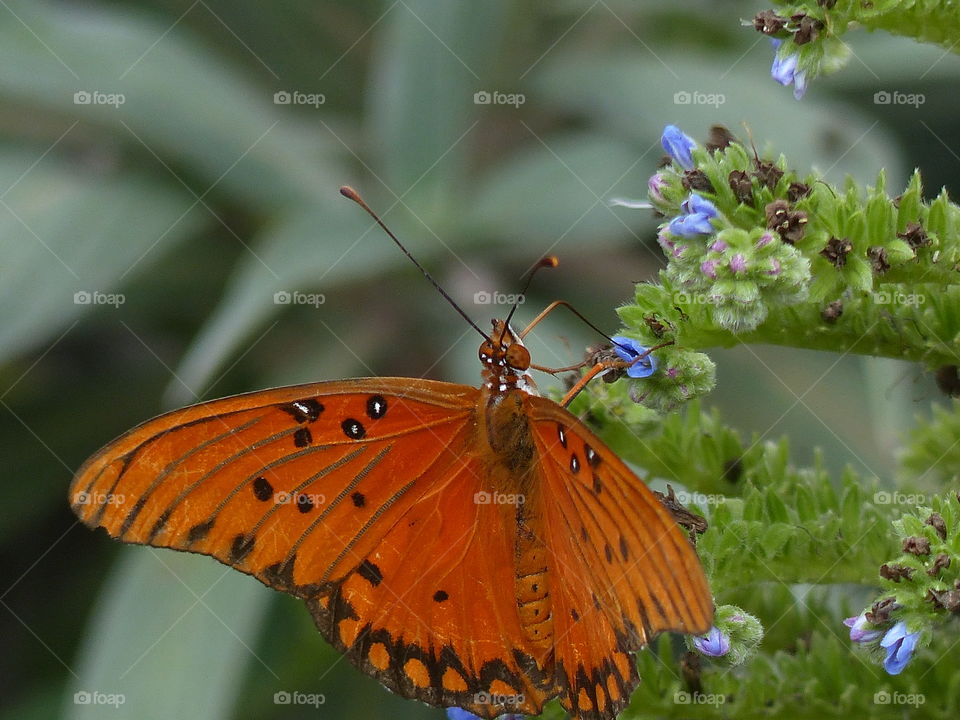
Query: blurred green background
{"points": [[156, 192]]}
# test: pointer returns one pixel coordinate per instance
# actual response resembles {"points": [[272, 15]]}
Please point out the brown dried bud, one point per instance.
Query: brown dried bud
{"points": [[895, 572], [742, 186], [796, 191], [941, 562], [914, 235], [832, 312], [691, 522], [719, 138], [789, 223], [879, 613], [768, 174], [809, 29], [878, 259], [656, 327], [768, 22], [916, 545], [936, 522], [945, 599], [836, 251], [948, 380], [696, 179]]}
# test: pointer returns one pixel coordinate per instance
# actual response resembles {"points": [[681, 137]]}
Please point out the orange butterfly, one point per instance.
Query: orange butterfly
{"points": [[467, 547]]}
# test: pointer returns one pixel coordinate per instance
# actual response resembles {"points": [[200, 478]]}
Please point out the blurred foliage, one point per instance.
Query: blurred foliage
{"points": [[198, 197]]}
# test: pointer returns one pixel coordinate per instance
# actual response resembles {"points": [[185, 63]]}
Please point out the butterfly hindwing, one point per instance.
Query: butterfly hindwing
{"points": [[433, 616], [622, 569]]}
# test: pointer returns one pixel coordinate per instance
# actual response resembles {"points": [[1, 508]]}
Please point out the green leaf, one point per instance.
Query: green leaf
{"points": [[70, 240], [433, 57], [558, 192], [215, 122]]}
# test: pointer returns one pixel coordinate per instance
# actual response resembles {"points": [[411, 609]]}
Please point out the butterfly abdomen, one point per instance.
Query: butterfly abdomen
{"points": [[532, 585]]}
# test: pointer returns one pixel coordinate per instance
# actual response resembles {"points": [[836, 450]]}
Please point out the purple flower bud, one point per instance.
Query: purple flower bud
{"points": [[713, 644], [774, 267], [899, 645], [629, 350], [678, 146], [655, 186], [738, 264], [709, 268], [858, 629], [764, 240], [663, 237], [718, 246], [678, 250]]}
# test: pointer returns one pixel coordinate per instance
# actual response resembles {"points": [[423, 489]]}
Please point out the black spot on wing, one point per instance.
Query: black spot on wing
{"points": [[376, 407], [241, 547], [370, 572], [303, 410], [358, 499], [262, 489], [302, 437], [353, 429]]}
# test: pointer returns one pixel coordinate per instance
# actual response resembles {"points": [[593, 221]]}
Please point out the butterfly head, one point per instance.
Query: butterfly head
{"points": [[505, 360]]}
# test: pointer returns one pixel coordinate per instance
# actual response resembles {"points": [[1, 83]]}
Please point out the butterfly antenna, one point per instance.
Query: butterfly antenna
{"points": [[351, 194], [550, 261]]}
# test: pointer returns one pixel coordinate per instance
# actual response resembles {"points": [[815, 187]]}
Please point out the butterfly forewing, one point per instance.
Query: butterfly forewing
{"points": [[293, 485]]}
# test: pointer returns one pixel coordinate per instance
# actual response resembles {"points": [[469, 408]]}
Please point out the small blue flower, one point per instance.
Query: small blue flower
{"points": [[784, 70], [859, 633], [713, 644], [455, 713], [678, 146], [629, 350], [695, 220], [899, 645]]}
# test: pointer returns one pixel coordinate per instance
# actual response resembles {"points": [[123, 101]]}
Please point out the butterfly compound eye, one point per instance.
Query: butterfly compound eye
{"points": [[518, 357], [486, 352]]}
